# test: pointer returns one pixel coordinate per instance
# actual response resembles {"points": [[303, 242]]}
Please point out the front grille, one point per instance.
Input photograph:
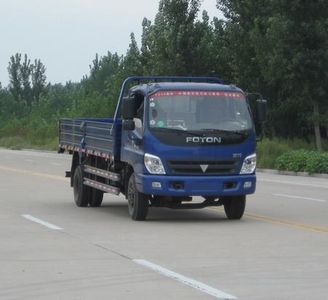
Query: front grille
{"points": [[200, 167]]}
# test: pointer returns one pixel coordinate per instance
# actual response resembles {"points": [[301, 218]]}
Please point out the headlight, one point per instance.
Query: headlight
{"points": [[249, 165], [154, 164]]}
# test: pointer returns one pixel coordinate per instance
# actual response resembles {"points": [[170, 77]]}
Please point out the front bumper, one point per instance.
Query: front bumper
{"points": [[164, 185]]}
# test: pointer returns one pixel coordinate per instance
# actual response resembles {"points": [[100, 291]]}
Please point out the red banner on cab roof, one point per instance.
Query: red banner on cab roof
{"points": [[197, 93]]}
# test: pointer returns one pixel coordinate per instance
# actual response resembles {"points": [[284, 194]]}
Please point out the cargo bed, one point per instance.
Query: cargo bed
{"points": [[91, 136]]}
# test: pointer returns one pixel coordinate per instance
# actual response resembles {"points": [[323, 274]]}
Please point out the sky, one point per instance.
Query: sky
{"points": [[66, 34]]}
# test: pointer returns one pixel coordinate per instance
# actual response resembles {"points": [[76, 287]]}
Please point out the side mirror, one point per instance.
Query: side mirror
{"points": [[261, 110], [128, 108], [128, 125]]}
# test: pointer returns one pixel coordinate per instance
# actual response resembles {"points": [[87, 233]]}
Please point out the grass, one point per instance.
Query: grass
{"points": [[18, 143], [32, 134], [14, 142]]}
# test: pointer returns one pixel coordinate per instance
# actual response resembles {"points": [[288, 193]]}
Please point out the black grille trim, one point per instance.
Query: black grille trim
{"points": [[218, 167]]}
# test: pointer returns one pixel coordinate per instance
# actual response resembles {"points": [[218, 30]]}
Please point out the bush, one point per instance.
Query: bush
{"points": [[268, 150], [317, 163], [303, 161]]}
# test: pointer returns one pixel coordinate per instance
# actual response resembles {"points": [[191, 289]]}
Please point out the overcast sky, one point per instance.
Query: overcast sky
{"points": [[66, 34]]}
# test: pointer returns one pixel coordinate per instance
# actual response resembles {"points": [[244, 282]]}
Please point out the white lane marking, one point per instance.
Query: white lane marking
{"points": [[56, 164], [26, 172], [44, 223], [294, 183], [185, 280], [299, 197]]}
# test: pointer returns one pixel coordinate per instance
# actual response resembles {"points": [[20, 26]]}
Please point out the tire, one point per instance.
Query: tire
{"points": [[137, 202], [234, 207], [81, 192], [96, 198]]}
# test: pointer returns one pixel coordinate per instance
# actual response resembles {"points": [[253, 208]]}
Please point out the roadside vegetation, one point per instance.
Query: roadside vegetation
{"points": [[296, 155], [275, 49]]}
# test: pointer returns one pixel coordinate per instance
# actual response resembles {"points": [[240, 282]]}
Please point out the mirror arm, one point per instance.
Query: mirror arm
{"points": [[128, 124], [137, 140]]}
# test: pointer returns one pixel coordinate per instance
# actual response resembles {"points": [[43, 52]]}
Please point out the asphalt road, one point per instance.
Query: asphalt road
{"points": [[51, 249]]}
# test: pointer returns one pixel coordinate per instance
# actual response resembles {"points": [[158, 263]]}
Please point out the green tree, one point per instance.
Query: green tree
{"points": [[279, 49], [26, 71], [26, 81], [15, 77], [7, 105], [101, 87], [131, 62], [295, 55], [102, 70], [169, 44], [38, 80]]}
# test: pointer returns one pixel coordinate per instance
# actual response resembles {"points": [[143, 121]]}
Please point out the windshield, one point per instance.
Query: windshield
{"points": [[199, 111]]}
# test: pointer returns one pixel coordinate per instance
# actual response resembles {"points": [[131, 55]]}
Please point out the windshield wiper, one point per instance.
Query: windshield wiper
{"points": [[200, 132], [239, 132], [163, 129]]}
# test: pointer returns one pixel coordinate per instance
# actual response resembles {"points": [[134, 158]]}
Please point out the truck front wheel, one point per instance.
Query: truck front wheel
{"points": [[81, 192], [234, 206], [137, 202]]}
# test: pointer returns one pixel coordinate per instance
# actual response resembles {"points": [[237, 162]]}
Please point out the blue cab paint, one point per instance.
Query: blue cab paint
{"points": [[191, 185]]}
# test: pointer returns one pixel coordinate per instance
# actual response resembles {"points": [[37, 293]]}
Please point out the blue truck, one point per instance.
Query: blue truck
{"points": [[176, 142]]}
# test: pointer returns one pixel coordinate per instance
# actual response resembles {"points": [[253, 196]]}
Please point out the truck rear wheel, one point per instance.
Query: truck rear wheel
{"points": [[81, 192], [96, 198], [234, 206], [137, 202]]}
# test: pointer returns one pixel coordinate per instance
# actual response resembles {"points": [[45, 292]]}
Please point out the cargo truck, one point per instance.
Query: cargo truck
{"points": [[175, 142]]}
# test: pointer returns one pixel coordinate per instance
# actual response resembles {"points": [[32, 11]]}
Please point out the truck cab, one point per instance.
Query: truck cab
{"points": [[180, 140]]}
